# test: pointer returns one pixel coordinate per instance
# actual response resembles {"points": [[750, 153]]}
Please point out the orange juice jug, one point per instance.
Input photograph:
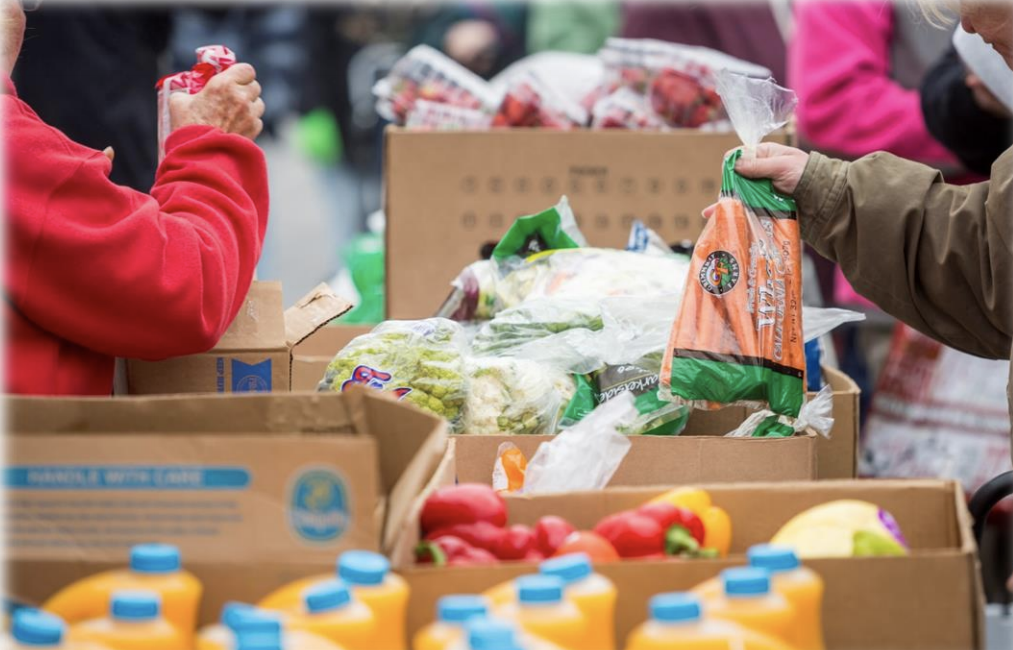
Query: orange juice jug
{"points": [[240, 618], [452, 613], [677, 623], [800, 586], [135, 623], [153, 567], [541, 611], [748, 600], [373, 583], [495, 634], [593, 594], [330, 611]]}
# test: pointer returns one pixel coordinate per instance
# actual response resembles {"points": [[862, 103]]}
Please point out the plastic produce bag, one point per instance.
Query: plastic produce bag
{"points": [[531, 102], [421, 362], [572, 75], [626, 109], [533, 320], [816, 414], [426, 74], [211, 59], [586, 456], [426, 115], [509, 395], [738, 334]]}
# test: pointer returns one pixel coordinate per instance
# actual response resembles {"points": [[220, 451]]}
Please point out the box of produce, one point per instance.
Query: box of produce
{"points": [[254, 490], [897, 558]]}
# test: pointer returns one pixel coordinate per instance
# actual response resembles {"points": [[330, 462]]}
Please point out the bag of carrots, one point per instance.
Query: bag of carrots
{"points": [[738, 335]]}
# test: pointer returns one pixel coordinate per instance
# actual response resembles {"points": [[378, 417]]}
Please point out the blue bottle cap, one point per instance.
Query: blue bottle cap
{"points": [[326, 596], [363, 568], [539, 590], [233, 610], [136, 605], [746, 581], [491, 634], [570, 568], [459, 608], [258, 640], [255, 621], [675, 608], [154, 558], [37, 628], [773, 558]]}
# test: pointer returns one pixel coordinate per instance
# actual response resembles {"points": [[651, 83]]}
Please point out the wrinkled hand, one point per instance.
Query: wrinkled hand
{"points": [[984, 98], [782, 165], [230, 101]]}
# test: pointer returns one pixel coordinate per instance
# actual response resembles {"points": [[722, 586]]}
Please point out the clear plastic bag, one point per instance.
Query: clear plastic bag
{"points": [[815, 414], [421, 362], [531, 102], [425, 73], [512, 395], [425, 115], [533, 320], [738, 334], [817, 321], [625, 109], [586, 456]]}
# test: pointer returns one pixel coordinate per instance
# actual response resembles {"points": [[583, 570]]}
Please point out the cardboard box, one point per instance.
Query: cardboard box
{"points": [[837, 456], [254, 354], [254, 489], [931, 599], [311, 357], [450, 193]]}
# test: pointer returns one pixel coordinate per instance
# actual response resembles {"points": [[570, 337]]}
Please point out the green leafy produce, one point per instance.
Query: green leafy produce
{"points": [[419, 361], [535, 320]]}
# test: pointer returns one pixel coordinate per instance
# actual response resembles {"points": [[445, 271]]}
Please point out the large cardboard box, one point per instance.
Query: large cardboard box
{"points": [[929, 600], [254, 489], [254, 354], [448, 194]]}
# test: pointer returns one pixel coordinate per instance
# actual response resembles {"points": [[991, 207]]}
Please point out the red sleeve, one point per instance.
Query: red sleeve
{"points": [[125, 273], [839, 64]]}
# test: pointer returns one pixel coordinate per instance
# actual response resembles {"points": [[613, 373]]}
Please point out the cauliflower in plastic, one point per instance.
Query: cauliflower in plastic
{"points": [[510, 395], [419, 361]]}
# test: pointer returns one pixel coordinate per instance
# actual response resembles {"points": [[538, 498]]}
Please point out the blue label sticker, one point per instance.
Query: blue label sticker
{"points": [[318, 506], [251, 378], [125, 477]]}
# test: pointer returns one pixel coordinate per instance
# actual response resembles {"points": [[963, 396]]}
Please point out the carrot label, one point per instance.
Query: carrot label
{"points": [[738, 336]]}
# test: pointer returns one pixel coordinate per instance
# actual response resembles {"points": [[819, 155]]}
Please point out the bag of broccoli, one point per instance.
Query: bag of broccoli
{"points": [[421, 362]]}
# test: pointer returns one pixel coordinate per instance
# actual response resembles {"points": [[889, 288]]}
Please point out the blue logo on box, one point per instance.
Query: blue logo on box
{"points": [[319, 505], [251, 378]]}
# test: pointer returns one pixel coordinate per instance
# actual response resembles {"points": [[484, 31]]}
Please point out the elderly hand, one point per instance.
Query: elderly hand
{"points": [[782, 165], [230, 101]]}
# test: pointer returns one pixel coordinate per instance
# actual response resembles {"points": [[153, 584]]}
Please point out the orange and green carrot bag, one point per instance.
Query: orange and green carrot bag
{"points": [[737, 338]]}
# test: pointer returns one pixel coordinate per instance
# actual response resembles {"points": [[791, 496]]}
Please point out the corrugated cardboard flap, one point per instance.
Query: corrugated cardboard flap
{"points": [[313, 311], [258, 325]]}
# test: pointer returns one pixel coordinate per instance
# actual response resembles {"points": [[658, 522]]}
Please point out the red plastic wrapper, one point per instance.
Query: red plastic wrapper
{"points": [[211, 60], [531, 102], [426, 115], [426, 74], [626, 109]]}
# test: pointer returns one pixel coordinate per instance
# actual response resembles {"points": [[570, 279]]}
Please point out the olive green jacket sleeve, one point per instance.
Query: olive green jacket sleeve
{"points": [[938, 257]]}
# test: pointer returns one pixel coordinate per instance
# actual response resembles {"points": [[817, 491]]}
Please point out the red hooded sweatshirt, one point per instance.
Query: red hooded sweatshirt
{"points": [[94, 270]]}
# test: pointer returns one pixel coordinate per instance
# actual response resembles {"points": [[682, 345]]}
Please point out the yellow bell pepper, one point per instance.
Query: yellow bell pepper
{"points": [[716, 522]]}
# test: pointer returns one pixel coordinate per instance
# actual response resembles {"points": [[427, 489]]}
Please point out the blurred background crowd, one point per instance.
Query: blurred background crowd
{"points": [[870, 76]]}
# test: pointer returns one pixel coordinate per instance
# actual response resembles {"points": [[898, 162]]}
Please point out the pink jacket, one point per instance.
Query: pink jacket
{"points": [[839, 63]]}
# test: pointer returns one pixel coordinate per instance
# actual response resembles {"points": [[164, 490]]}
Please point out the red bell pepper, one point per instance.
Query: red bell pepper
{"points": [[516, 542], [632, 534], [480, 534], [447, 550], [668, 515], [550, 533], [462, 504]]}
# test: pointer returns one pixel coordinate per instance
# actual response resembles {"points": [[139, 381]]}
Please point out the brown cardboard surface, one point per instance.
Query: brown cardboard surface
{"points": [[930, 599], [449, 193], [232, 480], [663, 460], [254, 354], [311, 356], [837, 455]]}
